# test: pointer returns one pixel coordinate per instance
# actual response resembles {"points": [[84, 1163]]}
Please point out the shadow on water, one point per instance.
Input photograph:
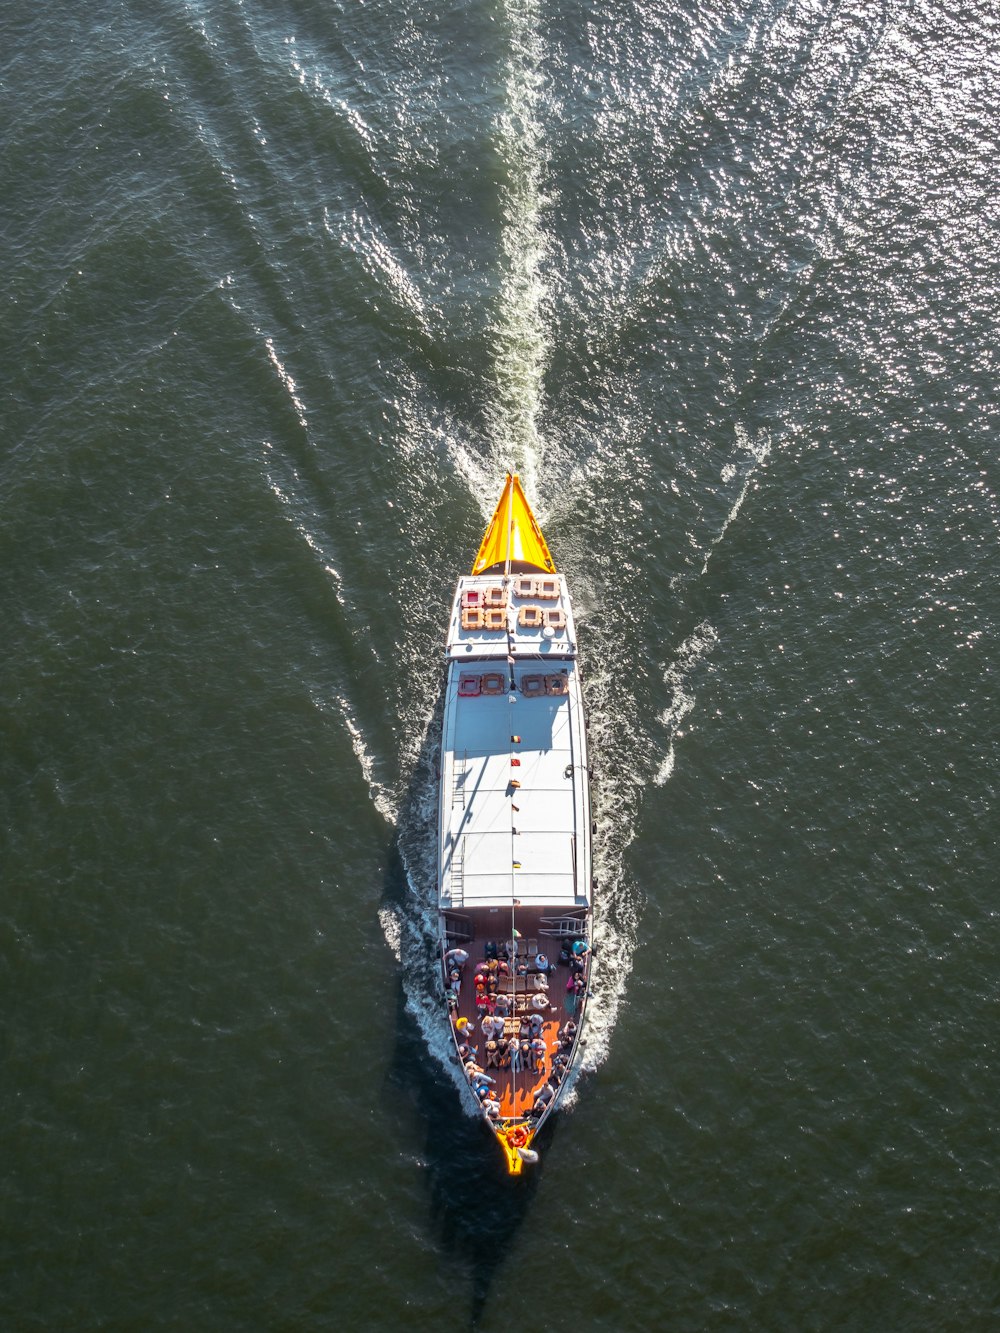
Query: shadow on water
{"points": [[475, 1207]]}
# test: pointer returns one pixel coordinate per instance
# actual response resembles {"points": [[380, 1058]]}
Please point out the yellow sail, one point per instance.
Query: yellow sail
{"points": [[513, 541]]}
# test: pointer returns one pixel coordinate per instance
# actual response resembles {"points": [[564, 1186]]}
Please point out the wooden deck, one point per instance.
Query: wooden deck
{"points": [[516, 1089]]}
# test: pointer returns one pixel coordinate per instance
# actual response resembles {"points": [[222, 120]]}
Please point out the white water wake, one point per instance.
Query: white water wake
{"points": [[521, 342], [519, 333], [627, 756], [677, 678], [754, 454]]}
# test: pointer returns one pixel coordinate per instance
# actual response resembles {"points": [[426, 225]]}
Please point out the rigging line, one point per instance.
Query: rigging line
{"points": [[516, 1075], [510, 522], [513, 872]]}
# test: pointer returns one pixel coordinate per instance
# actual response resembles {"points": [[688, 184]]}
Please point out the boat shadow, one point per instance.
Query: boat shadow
{"points": [[475, 1207]]}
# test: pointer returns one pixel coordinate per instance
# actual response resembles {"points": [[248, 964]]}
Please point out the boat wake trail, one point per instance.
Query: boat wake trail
{"points": [[677, 678], [519, 334], [520, 339], [752, 454]]}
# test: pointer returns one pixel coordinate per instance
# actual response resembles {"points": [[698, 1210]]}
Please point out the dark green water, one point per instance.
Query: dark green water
{"points": [[286, 287]]}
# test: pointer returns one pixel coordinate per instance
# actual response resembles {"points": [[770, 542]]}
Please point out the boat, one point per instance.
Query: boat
{"points": [[515, 887]]}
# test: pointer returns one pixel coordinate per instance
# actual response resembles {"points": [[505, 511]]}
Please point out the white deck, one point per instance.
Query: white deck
{"points": [[521, 641], [483, 861]]}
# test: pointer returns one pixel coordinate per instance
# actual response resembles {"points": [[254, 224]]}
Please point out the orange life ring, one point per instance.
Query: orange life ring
{"points": [[492, 682], [555, 618], [531, 617], [524, 586], [518, 1137], [494, 597], [557, 684], [470, 599], [494, 618], [469, 686], [547, 589], [532, 686], [472, 618]]}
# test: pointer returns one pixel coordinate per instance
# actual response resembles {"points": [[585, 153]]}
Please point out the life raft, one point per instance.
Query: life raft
{"points": [[492, 682]]}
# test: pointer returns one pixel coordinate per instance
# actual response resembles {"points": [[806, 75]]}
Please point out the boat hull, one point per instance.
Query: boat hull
{"points": [[514, 850]]}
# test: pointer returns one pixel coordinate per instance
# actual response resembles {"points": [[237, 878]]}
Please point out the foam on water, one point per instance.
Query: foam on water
{"points": [[751, 456], [626, 755], [677, 677], [287, 383], [383, 798], [519, 335]]}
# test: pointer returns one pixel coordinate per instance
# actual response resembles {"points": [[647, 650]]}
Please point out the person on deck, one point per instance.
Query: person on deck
{"points": [[538, 1053], [543, 1096]]}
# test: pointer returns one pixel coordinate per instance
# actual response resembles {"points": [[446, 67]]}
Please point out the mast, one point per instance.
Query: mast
{"points": [[510, 521]]}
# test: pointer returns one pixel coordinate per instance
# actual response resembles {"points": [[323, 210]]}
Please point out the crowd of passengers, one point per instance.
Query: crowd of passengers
{"points": [[523, 1049], [492, 976], [526, 1049]]}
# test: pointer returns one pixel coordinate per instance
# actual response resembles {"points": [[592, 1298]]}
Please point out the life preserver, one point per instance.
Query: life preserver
{"points": [[472, 617], [547, 589], [524, 586], [518, 1137], [532, 686], [469, 686], [556, 684], [492, 683], [494, 597], [494, 618], [469, 599], [555, 617], [530, 617]]}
